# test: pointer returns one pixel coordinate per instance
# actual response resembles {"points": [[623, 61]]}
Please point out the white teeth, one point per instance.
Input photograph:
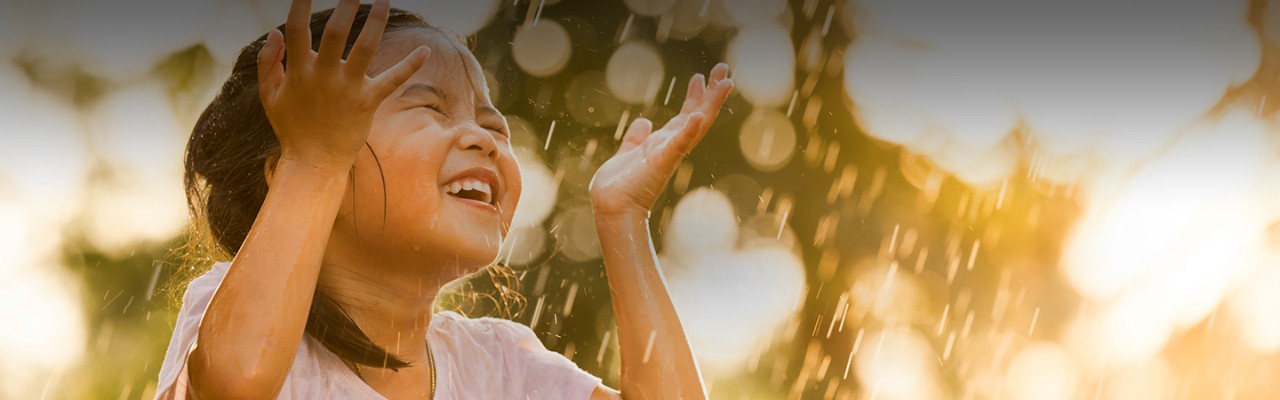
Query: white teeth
{"points": [[470, 184]]}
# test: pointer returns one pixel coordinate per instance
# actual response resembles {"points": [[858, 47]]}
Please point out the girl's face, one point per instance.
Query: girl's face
{"points": [[436, 134]]}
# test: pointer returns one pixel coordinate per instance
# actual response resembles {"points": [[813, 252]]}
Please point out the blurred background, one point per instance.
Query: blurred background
{"points": [[903, 200]]}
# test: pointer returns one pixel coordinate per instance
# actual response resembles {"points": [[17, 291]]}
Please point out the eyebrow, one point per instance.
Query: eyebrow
{"points": [[422, 88]]}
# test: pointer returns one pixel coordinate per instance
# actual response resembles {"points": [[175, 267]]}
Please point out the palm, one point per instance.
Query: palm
{"points": [[634, 177]]}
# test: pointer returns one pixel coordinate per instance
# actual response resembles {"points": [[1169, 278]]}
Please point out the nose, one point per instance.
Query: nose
{"points": [[480, 139]]}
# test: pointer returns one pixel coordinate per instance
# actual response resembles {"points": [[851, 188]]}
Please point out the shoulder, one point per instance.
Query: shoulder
{"points": [[501, 343], [199, 292], [498, 347], [453, 325], [194, 302], [315, 372], [201, 289]]}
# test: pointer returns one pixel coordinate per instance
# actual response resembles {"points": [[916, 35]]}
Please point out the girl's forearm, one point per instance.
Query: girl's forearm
{"points": [[255, 320], [657, 362]]}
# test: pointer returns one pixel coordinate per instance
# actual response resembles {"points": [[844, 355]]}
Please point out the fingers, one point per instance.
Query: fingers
{"points": [[685, 140], [336, 31], [697, 97], [636, 134], [719, 93], [697, 87], [270, 70], [691, 133], [298, 29], [716, 92], [707, 99], [389, 80], [719, 72], [370, 37]]}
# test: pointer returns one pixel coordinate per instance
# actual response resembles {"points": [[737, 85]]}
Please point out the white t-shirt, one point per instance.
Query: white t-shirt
{"points": [[476, 358]]}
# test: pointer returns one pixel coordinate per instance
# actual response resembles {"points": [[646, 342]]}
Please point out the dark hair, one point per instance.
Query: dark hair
{"points": [[226, 186]]}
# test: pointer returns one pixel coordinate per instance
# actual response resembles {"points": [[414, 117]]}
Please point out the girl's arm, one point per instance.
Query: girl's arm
{"points": [[657, 362], [321, 111], [251, 330]]}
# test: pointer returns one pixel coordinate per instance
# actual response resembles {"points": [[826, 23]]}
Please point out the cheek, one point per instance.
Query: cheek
{"points": [[515, 186], [411, 168]]}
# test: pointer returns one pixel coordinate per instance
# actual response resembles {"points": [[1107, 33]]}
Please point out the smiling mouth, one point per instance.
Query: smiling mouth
{"points": [[471, 189], [473, 193]]}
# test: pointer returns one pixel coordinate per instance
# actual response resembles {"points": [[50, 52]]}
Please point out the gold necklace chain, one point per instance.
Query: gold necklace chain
{"points": [[431, 359]]}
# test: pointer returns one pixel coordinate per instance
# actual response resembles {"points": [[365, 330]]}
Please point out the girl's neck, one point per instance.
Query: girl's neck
{"points": [[392, 306]]}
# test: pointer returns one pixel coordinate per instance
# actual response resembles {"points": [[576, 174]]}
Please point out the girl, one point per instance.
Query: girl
{"points": [[349, 187]]}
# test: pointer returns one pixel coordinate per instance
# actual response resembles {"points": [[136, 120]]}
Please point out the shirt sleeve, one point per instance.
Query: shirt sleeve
{"points": [[545, 374], [173, 372]]}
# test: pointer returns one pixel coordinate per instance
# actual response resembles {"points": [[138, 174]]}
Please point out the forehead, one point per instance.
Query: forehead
{"points": [[451, 68]]}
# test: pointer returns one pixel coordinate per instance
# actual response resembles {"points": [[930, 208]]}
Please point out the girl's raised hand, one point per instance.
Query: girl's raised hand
{"points": [[630, 181], [322, 108]]}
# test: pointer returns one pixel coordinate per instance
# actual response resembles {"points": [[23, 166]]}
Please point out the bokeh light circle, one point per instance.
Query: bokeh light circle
{"points": [[764, 62], [767, 139], [898, 363], [702, 222], [541, 48], [635, 72], [523, 244], [887, 293], [576, 234], [766, 284], [537, 192]]}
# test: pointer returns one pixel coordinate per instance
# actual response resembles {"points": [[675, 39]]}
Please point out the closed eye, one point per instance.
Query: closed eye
{"points": [[436, 108], [498, 130]]}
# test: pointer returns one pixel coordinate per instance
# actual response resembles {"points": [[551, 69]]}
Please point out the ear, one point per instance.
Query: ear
{"points": [[269, 167]]}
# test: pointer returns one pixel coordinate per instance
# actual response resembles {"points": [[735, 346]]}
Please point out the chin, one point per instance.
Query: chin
{"points": [[479, 251], [473, 236]]}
